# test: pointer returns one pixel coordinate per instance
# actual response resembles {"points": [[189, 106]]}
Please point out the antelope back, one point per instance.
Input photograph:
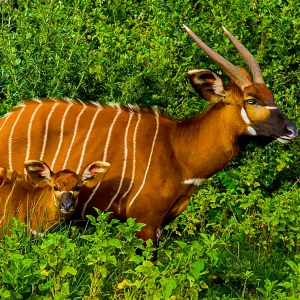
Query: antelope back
{"points": [[70, 134]]}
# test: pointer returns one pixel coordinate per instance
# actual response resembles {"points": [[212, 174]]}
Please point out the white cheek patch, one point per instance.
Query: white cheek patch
{"points": [[251, 130], [194, 181], [271, 107], [283, 141], [244, 116]]}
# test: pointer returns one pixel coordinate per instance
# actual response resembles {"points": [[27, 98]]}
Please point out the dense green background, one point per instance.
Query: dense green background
{"points": [[239, 238]]}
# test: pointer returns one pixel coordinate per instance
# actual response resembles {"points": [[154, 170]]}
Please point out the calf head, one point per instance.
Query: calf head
{"points": [[65, 184]]}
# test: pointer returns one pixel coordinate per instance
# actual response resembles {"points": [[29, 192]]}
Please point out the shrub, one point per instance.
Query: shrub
{"points": [[239, 237]]}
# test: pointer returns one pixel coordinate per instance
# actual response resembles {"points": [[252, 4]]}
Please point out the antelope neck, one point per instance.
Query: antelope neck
{"points": [[207, 143]]}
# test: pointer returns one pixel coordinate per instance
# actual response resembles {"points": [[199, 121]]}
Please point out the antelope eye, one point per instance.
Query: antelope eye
{"points": [[76, 188], [251, 101], [56, 188]]}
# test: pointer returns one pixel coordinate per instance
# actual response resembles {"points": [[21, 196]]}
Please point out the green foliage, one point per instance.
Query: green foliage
{"points": [[101, 263], [239, 237]]}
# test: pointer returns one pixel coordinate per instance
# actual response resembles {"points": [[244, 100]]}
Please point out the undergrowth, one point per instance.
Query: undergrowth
{"points": [[239, 237]]}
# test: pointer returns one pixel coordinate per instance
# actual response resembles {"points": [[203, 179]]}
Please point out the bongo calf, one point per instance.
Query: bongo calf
{"points": [[42, 198]]}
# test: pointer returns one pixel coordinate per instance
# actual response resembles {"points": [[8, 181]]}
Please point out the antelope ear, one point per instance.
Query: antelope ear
{"points": [[39, 172], [94, 173], [208, 85]]}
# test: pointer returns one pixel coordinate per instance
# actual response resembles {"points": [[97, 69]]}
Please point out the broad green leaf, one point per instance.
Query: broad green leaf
{"points": [[67, 270], [198, 268]]}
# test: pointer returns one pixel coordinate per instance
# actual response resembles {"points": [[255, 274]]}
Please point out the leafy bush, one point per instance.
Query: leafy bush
{"points": [[239, 237]]}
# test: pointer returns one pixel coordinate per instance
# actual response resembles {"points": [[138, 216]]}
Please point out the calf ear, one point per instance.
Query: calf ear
{"points": [[38, 172], [208, 84], [94, 173]]}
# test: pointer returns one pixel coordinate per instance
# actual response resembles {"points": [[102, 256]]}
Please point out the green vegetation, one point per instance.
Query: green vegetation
{"points": [[240, 236]]}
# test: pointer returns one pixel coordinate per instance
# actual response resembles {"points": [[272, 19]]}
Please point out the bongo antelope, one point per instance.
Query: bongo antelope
{"points": [[156, 162]]}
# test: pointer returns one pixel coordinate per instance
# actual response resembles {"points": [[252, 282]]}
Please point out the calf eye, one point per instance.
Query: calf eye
{"points": [[56, 188], [76, 188]]}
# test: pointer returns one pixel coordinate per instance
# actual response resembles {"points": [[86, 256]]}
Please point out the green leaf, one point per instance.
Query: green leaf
{"points": [[45, 286], [116, 243], [62, 253], [168, 285], [8, 277], [65, 289], [89, 238], [136, 258], [286, 284], [182, 245], [130, 222], [296, 268], [67, 270], [148, 264], [5, 294], [198, 268]]}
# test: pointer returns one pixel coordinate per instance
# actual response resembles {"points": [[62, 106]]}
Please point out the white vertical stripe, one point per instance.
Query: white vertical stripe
{"points": [[6, 118], [104, 159], [133, 158], [149, 162], [11, 138], [86, 139], [61, 137], [46, 130], [109, 134], [4, 211], [124, 163], [9, 196], [74, 135], [29, 131]]}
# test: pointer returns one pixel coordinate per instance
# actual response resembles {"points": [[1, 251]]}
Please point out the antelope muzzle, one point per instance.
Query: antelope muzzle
{"points": [[67, 203], [277, 126]]}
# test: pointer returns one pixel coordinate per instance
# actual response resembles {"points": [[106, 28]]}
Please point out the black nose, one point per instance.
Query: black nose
{"points": [[67, 205], [291, 131], [66, 201]]}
